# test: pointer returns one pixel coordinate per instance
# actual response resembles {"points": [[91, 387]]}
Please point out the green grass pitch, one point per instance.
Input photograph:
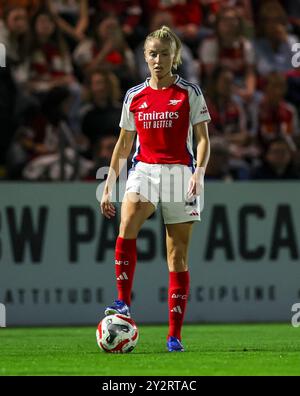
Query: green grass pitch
{"points": [[247, 349]]}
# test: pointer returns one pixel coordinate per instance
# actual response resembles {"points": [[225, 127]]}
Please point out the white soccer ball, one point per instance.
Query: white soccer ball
{"points": [[117, 334]]}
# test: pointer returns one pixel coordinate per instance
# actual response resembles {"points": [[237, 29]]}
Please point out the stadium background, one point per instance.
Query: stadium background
{"points": [[57, 254], [68, 66]]}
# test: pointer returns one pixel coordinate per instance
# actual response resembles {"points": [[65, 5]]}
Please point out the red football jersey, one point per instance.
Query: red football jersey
{"points": [[164, 120]]}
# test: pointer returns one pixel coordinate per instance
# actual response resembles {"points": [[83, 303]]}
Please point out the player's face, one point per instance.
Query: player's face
{"points": [[159, 56]]}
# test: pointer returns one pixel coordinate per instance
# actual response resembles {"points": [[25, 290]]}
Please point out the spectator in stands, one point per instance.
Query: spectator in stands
{"points": [[219, 166], [227, 115], [291, 9], [31, 6], [101, 113], [107, 49], [189, 67], [277, 162], [72, 17], [50, 63], [7, 107], [128, 13], [293, 88], [102, 153], [14, 35], [228, 120], [228, 47], [243, 7], [275, 116], [45, 147], [186, 14], [104, 149], [274, 43], [246, 120]]}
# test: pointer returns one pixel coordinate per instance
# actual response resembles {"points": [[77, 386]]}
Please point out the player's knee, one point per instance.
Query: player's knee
{"points": [[128, 228]]}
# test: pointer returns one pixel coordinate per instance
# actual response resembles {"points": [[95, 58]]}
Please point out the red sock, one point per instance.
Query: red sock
{"points": [[179, 284], [125, 261]]}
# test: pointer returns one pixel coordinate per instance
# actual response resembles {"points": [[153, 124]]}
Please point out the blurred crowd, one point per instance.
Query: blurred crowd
{"points": [[70, 62]]}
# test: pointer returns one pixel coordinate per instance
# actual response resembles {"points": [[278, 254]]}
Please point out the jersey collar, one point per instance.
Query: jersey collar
{"points": [[175, 82]]}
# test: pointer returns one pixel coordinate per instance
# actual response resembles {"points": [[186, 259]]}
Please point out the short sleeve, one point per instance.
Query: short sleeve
{"points": [[127, 117], [198, 107]]}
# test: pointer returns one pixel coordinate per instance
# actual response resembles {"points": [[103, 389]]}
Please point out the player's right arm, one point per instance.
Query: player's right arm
{"points": [[118, 160]]}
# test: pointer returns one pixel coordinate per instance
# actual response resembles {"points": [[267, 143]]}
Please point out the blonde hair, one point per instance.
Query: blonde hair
{"points": [[166, 34]]}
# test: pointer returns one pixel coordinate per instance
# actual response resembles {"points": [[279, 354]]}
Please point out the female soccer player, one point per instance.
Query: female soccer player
{"points": [[165, 111]]}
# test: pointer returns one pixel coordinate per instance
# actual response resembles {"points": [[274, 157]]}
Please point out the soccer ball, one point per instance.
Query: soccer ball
{"points": [[117, 334]]}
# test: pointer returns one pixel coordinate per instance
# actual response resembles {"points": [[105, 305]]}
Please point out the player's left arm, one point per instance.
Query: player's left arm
{"points": [[196, 183]]}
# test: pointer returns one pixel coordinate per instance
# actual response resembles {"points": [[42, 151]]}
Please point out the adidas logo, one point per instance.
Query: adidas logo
{"points": [[143, 106], [194, 213], [123, 276], [177, 309]]}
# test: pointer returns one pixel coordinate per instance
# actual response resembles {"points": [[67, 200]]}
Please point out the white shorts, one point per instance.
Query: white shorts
{"points": [[166, 184]]}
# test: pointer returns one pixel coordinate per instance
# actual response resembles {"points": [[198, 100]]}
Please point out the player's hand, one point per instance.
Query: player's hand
{"points": [[107, 208], [196, 183]]}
